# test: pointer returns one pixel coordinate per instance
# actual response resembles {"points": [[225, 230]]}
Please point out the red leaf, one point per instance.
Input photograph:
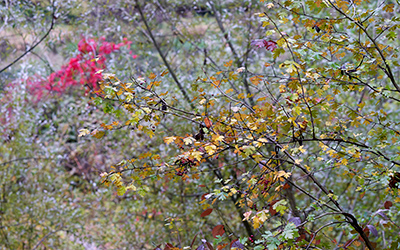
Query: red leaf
{"points": [[203, 197], [271, 209], [168, 246], [206, 212], [270, 45], [210, 247], [207, 122], [388, 204], [218, 230], [191, 245], [261, 43], [201, 185]]}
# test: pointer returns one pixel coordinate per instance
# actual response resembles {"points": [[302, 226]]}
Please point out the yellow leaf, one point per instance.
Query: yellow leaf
{"points": [[98, 134], [83, 132], [131, 187], [255, 80], [256, 222], [228, 64], [147, 110], [188, 140], [301, 149], [284, 148], [389, 8], [263, 216], [282, 88], [262, 140], [197, 155], [218, 138], [152, 76], [210, 149], [170, 139], [298, 161], [284, 174]]}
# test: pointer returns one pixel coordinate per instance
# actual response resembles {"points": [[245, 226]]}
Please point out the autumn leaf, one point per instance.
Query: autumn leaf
{"points": [[261, 43], [152, 76], [207, 122], [247, 215], [388, 204], [164, 72], [98, 134], [83, 132], [228, 64], [170, 139], [188, 140], [218, 230], [206, 212]]}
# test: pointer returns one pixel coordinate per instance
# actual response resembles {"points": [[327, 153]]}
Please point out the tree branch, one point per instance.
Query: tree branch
{"points": [[34, 46], [181, 88]]}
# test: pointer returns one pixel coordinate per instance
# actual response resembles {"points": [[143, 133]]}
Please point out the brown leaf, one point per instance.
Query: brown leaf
{"points": [[207, 122], [210, 247], [394, 180], [199, 136], [218, 230], [286, 186], [206, 212], [272, 211], [168, 246], [194, 239], [220, 247], [388, 204]]}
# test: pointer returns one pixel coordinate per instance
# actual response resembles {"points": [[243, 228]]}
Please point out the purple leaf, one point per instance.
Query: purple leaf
{"points": [[201, 247], [237, 244], [261, 43], [373, 230], [381, 213], [258, 43], [295, 220]]}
